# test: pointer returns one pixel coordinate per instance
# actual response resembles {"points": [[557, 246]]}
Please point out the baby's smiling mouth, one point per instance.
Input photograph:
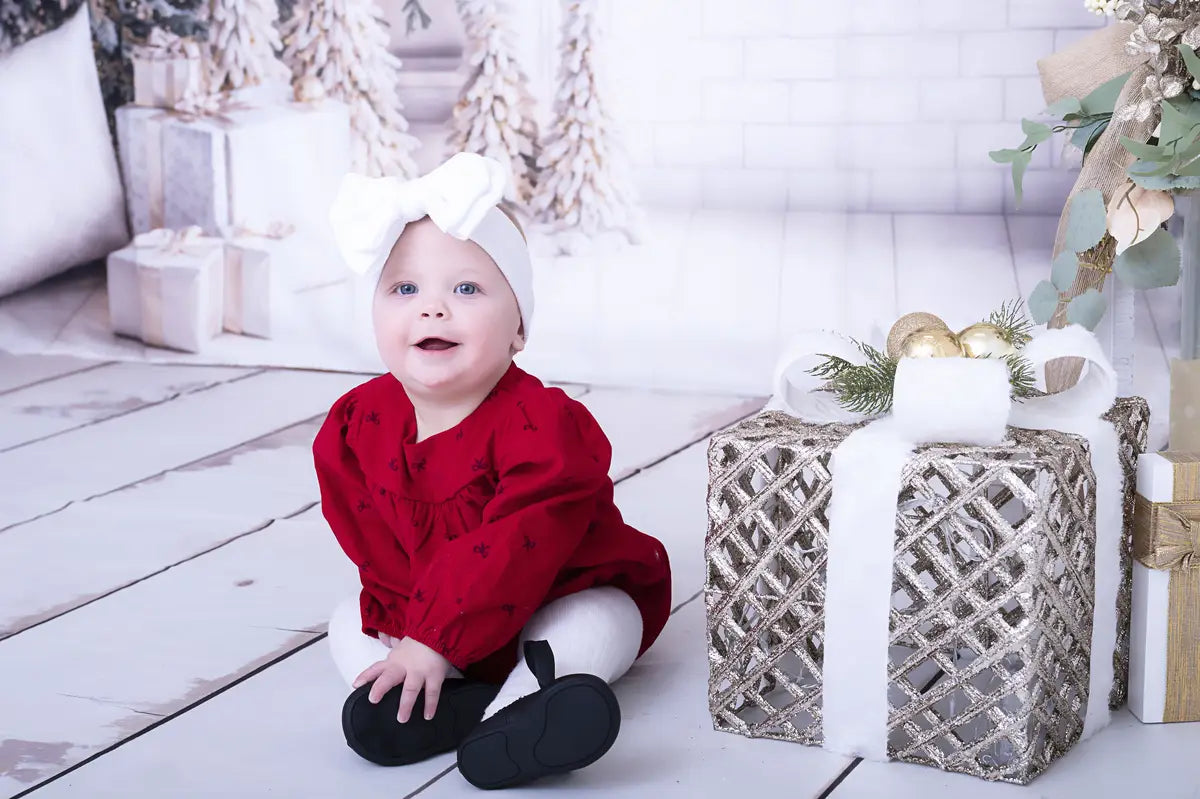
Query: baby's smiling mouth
{"points": [[435, 344]]}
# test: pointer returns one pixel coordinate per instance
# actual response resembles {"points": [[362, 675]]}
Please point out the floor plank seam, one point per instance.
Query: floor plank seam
{"points": [[165, 719], [128, 411], [829, 789], [52, 378], [13, 634], [164, 472]]}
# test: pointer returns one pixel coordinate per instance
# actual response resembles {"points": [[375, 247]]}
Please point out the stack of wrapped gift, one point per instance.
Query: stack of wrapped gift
{"points": [[1164, 683], [236, 164], [945, 584], [248, 167]]}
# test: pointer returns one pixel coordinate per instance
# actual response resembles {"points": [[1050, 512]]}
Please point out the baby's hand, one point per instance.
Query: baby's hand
{"points": [[414, 664]]}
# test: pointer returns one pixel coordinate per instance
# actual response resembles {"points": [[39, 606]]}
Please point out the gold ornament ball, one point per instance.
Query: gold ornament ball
{"points": [[931, 342], [983, 340], [907, 325]]}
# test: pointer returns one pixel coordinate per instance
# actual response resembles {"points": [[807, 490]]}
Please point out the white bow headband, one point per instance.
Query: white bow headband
{"points": [[461, 197]]}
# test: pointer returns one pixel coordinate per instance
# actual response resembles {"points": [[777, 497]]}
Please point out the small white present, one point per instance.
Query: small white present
{"points": [[166, 288], [252, 292], [166, 70]]}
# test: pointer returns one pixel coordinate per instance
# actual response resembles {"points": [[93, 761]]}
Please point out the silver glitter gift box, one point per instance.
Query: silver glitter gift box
{"points": [[992, 594]]}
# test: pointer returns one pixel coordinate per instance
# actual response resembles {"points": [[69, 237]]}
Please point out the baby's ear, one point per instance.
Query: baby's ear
{"points": [[518, 342]]}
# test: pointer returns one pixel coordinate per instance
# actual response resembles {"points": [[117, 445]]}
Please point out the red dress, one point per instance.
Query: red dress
{"points": [[461, 537]]}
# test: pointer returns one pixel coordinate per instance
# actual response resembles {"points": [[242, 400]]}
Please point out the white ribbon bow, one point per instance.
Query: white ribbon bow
{"points": [[162, 43], [369, 214], [170, 241]]}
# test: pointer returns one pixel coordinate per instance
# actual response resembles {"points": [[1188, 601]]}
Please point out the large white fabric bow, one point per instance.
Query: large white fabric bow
{"points": [[369, 214]]}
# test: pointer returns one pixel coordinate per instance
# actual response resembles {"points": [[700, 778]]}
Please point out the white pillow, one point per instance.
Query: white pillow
{"points": [[61, 200]]}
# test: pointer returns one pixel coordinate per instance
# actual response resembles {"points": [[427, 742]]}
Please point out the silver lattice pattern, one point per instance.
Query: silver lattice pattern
{"points": [[1131, 417], [992, 594]]}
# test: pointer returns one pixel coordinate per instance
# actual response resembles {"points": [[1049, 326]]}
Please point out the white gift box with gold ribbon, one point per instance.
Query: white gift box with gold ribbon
{"points": [[166, 70], [166, 288]]}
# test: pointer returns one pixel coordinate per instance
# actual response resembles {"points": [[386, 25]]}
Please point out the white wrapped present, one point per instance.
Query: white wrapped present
{"points": [[166, 70], [235, 162], [166, 288], [252, 292]]}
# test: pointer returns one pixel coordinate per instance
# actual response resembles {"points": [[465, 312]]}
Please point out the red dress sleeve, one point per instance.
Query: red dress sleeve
{"points": [[479, 591], [348, 507]]}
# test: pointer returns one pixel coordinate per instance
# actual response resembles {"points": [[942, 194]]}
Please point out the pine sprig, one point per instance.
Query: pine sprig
{"points": [[867, 388], [863, 388], [1012, 323], [1021, 376]]}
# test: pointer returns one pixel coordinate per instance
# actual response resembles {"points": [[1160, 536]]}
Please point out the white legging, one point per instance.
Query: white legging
{"points": [[597, 631]]}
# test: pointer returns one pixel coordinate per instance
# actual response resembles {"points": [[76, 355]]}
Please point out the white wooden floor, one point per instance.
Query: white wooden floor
{"points": [[165, 578]]}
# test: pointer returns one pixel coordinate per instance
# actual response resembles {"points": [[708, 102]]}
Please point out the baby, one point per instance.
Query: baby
{"points": [[476, 504]]}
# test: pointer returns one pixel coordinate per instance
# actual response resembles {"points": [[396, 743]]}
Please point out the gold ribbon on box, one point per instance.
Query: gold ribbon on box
{"points": [[1077, 71], [235, 290], [1166, 536], [156, 243]]}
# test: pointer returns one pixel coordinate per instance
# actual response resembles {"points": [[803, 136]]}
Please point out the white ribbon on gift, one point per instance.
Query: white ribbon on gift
{"points": [[952, 400]]}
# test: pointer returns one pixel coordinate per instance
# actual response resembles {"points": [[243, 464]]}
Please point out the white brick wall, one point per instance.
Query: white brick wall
{"points": [[859, 105]]}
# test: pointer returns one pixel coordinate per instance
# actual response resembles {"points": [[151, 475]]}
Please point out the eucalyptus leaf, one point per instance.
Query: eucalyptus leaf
{"points": [[1065, 107], [1019, 165], [1175, 125], [1043, 301], [1178, 129], [1035, 133], [1095, 137], [1087, 222], [1104, 99], [1003, 156], [1152, 169], [1146, 152], [1087, 309], [1164, 183], [1190, 59], [1082, 134], [1151, 264], [1062, 271]]}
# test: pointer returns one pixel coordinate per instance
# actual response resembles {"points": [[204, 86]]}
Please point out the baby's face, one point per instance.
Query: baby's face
{"points": [[446, 320]]}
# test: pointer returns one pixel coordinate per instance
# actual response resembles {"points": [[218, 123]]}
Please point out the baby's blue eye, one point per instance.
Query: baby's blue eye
{"points": [[406, 288], [466, 288]]}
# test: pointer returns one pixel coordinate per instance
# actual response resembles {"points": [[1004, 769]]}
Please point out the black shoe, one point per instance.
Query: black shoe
{"points": [[373, 732], [568, 724]]}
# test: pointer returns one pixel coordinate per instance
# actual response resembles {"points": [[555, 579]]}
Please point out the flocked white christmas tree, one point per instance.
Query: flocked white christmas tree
{"points": [[343, 44], [583, 186], [243, 41], [494, 115]]}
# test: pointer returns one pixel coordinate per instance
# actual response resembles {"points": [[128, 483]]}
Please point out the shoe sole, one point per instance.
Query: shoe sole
{"points": [[564, 727], [417, 739]]}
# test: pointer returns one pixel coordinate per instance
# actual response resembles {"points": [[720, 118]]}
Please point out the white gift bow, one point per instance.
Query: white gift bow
{"points": [[866, 479], [171, 241], [163, 43], [369, 214]]}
